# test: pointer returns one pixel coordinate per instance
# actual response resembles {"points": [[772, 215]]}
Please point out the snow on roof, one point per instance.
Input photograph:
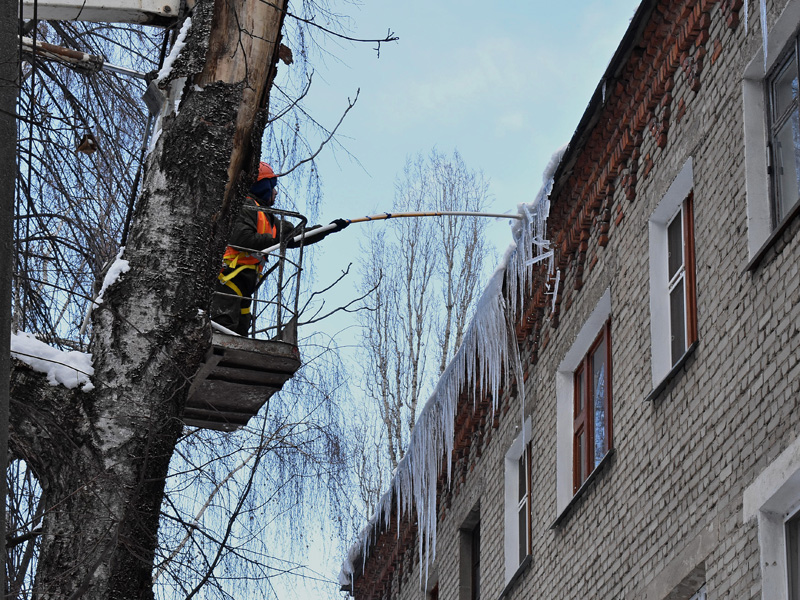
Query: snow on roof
{"points": [[487, 353], [70, 369]]}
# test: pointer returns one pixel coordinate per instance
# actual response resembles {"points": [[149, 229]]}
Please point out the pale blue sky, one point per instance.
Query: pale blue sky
{"points": [[504, 83]]}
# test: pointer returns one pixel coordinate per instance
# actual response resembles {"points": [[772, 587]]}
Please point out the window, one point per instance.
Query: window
{"points": [[592, 409], [701, 594], [772, 134], [523, 504], [583, 379], [673, 300], [680, 276], [774, 500], [784, 135], [793, 556], [469, 563], [518, 501], [475, 570]]}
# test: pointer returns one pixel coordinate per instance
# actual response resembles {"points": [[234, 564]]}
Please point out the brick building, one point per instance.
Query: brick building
{"points": [[654, 449]]}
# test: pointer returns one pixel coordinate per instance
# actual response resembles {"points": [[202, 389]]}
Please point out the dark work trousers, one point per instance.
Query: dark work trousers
{"points": [[234, 313]]}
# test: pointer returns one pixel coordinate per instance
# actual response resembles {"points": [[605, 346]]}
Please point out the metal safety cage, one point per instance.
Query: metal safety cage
{"points": [[276, 299]]}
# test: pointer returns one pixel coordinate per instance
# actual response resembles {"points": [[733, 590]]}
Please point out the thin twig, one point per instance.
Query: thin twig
{"points": [[350, 104]]}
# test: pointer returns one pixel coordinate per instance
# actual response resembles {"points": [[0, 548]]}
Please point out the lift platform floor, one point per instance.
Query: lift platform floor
{"points": [[236, 379]]}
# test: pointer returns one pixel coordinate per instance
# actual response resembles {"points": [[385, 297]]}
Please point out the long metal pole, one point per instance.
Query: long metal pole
{"points": [[81, 61], [386, 215]]}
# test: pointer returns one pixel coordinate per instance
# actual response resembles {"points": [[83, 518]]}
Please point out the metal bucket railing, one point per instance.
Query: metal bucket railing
{"points": [[275, 302]]}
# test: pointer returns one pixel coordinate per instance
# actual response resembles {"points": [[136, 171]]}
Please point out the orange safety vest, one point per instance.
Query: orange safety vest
{"points": [[233, 257], [238, 260]]}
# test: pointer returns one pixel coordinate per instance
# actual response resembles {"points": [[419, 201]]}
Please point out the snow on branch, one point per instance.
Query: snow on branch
{"points": [[70, 369], [488, 354]]}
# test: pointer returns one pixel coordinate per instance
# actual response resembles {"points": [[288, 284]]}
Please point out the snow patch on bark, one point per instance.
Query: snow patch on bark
{"points": [[482, 365], [117, 268], [70, 369], [176, 50]]}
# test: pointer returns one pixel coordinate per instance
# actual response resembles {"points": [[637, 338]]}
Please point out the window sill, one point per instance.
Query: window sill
{"points": [[774, 236], [582, 490], [672, 373], [523, 566]]}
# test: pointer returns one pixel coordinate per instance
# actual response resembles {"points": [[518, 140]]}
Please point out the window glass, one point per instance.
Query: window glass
{"points": [[677, 320], [784, 89], [675, 245], [523, 533], [787, 165], [599, 387], [521, 487]]}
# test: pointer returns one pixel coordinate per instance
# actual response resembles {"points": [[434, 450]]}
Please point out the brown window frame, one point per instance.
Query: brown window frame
{"points": [[583, 420], [524, 503], [686, 274]]}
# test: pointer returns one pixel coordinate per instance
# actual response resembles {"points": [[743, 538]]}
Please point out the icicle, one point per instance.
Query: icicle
{"points": [[489, 352], [555, 290], [540, 258], [764, 25], [764, 31], [746, 15]]}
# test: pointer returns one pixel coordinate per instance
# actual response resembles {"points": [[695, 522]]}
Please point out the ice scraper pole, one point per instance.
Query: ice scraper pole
{"points": [[382, 216]]}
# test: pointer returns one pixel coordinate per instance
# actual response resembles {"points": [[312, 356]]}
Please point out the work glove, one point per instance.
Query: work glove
{"points": [[340, 224]]}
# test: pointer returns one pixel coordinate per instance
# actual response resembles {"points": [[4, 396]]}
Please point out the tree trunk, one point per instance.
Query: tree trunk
{"points": [[102, 456], [9, 73]]}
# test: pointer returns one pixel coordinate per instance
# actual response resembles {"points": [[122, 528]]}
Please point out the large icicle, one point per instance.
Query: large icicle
{"points": [[488, 352], [764, 27]]}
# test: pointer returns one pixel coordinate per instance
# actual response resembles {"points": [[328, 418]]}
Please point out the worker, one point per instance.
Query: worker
{"points": [[254, 229]]}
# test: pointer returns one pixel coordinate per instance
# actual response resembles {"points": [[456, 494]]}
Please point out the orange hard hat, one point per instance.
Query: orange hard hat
{"points": [[265, 171]]}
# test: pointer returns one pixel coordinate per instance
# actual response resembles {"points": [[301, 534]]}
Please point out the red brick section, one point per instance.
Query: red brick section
{"points": [[385, 557], [730, 10], [639, 105]]}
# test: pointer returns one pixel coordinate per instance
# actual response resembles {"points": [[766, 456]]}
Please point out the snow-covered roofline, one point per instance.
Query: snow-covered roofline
{"points": [[488, 353]]}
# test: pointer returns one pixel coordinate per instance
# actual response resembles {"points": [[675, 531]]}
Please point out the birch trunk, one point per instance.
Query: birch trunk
{"points": [[102, 457]]}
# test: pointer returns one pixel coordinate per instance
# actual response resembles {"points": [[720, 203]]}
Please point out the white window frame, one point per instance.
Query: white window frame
{"points": [[772, 499], [511, 502], [756, 135], [565, 398], [672, 202]]}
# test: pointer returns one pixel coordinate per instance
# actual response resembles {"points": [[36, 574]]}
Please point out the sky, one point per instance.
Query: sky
{"points": [[505, 83], [505, 86]]}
